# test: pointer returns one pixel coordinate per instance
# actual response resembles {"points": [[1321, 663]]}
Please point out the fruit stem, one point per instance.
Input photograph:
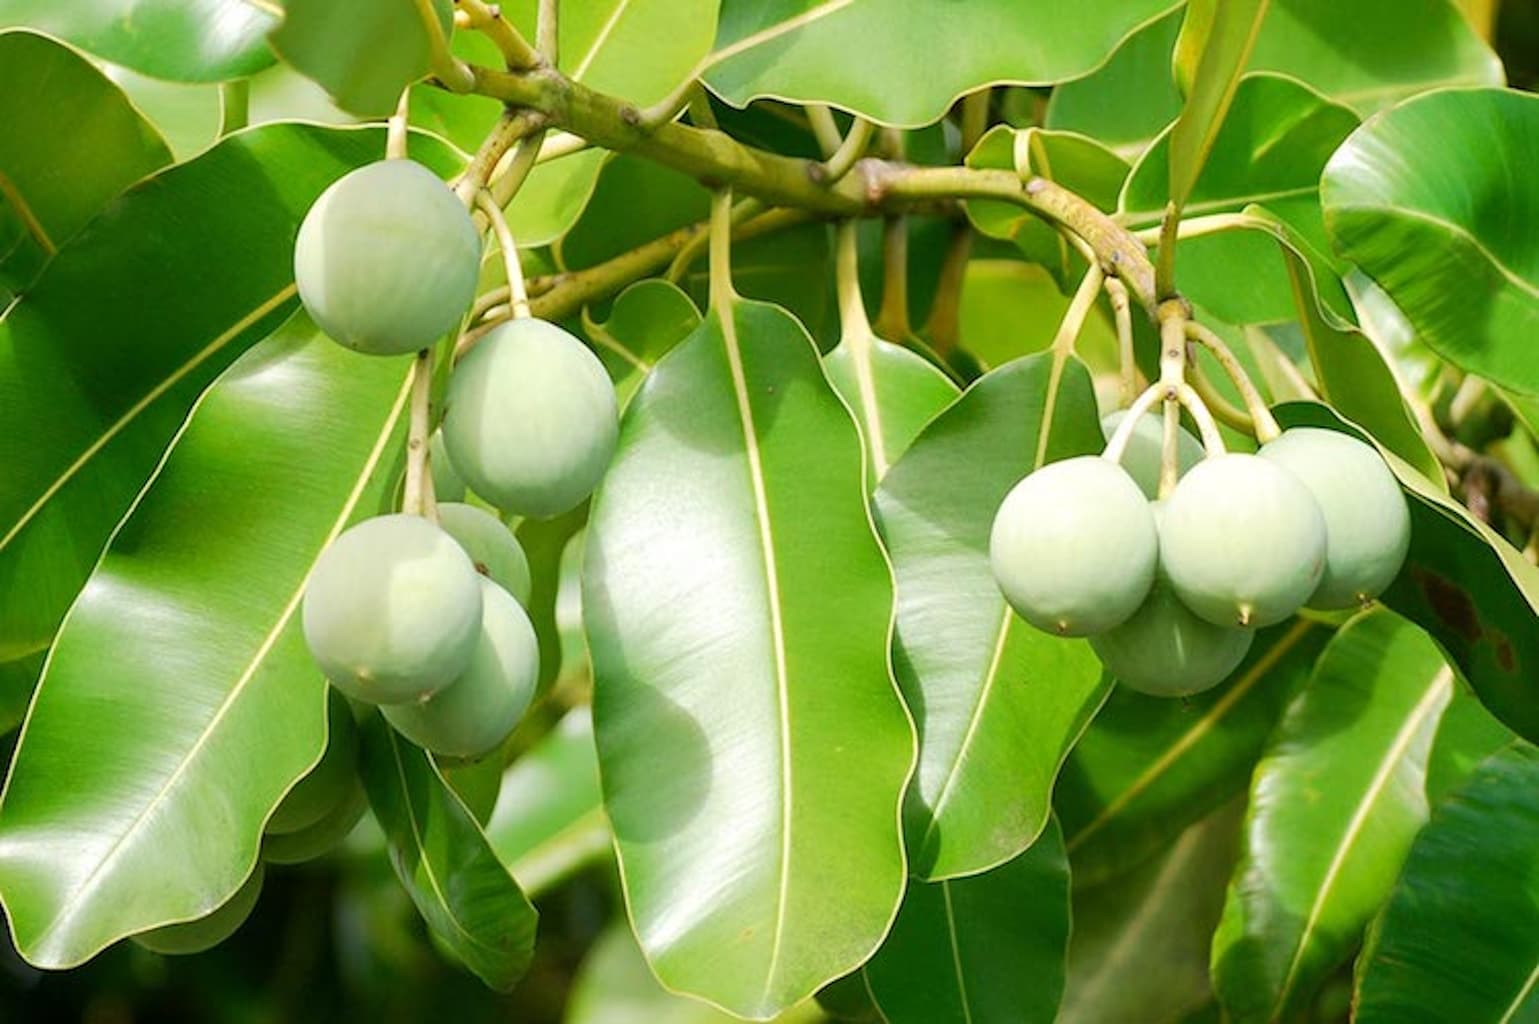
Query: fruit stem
{"points": [[1172, 314], [742, 210], [1265, 423], [1139, 408], [510, 263], [1212, 438], [546, 30], [396, 129], [721, 251], [892, 318], [1223, 410], [1122, 315], [855, 326], [418, 499]]}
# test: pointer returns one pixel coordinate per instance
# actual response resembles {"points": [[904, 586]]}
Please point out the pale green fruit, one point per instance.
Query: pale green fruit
{"points": [[387, 259], [531, 420], [492, 548], [1367, 523], [327, 784], [208, 931], [322, 837], [392, 610], [1143, 456], [448, 485], [1074, 547], [1166, 651], [476, 712], [1242, 541]]}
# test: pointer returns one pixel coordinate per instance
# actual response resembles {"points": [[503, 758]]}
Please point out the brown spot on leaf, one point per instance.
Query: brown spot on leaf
{"points": [[1449, 603], [1504, 655]]}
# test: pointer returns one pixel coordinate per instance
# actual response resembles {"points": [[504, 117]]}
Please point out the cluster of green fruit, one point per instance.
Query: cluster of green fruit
{"points": [[427, 620], [1170, 591]]}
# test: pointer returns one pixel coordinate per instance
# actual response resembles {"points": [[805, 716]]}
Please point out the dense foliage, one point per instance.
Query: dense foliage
{"points": [[682, 510]]}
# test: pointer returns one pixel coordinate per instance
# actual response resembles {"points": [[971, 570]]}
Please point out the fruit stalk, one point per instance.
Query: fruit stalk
{"points": [[511, 266], [1172, 320], [418, 497], [1265, 423], [1122, 315]]}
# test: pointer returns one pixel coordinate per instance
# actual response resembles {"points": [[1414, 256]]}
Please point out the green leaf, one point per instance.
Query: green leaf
{"points": [[1224, 34], [1340, 50], [53, 181], [1076, 162], [552, 198], [645, 322], [546, 542], [188, 631], [365, 52], [1459, 938], [998, 703], [1140, 946], [1467, 734], [187, 115], [1270, 150], [1149, 767], [756, 822], [180, 40], [18, 678], [989, 947], [801, 50], [549, 816], [1011, 309], [1432, 200], [471, 903], [1335, 803], [614, 986], [208, 247], [613, 222], [1463, 583]]}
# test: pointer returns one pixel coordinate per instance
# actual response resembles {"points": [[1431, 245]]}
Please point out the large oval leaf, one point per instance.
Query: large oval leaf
{"points": [[464, 893], [1148, 766], [180, 701], [800, 50], [1459, 939], [1335, 803], [363, 51], [1463, 583], [182, 40], [990, 947], [52, 181], [997, 702], [1434, 201], [204, 253], [1140, 946], [752, 744]]}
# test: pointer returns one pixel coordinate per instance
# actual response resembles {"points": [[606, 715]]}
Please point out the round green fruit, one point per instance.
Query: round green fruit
{"points": [[531, 420], [387, 259], [492, 548], [322, 837], [210, 930], [1367, 523], [1166, 651], [1242, 541], [1074, 547], [392, 610], [1144, 454], [476, 712], [448, 485], [325, 786]]}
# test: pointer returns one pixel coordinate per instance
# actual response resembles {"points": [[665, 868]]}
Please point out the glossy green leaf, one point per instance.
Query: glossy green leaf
{"points": [[1341, 50], [1077, 162], [1459, 938], [645, 322], [1276, 138], [188, 631], [467, 897], [552, 198], [53, 181], [187, 115], [1432, 200], [614, 986], [1467, 734], [1463, 583], [1335, 803], [799, 50], [365, 52], [1011, 309], [613, 222], [1139, 953], [18, 678], [756, 822], [180, 40], [113, 387], [549, 816], [1149, 767], [998, 703], [546, 542], [984, 948], [1223, 34]]}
